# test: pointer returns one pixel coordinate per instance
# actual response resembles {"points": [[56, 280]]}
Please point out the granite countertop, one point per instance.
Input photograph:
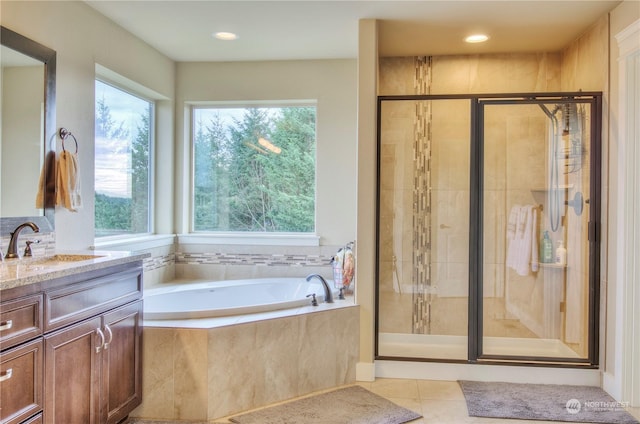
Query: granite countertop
{"points": [[23, 271]]}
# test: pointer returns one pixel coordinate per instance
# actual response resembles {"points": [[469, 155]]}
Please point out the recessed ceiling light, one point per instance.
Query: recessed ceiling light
{"points": [[476, 38], [226, 36]]}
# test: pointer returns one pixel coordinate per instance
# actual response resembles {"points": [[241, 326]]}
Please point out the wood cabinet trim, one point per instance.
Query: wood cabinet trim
{"points": [[23, 367], [75, 302], [24, 316], [94, 300]]}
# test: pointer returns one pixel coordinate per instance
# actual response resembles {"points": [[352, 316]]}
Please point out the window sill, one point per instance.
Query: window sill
{"points": [[251, 239], [135, 243]]}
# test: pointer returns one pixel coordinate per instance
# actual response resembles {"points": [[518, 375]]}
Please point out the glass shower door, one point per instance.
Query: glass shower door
{"points": [[488, 228], [535, 230], [423, 229]]}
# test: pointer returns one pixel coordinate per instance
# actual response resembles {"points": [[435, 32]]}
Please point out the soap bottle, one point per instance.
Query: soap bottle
{"points": [[547, 249], [561, 254]]}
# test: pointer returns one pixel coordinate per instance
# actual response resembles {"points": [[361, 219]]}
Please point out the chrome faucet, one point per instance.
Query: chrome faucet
{"points": [[12, 251], [328, 296]]}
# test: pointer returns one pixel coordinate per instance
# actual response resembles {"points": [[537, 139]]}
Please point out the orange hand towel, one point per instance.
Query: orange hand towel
{"points": [[68, 182]]}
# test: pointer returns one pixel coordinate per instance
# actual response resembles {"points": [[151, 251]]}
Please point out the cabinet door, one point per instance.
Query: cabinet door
{"points": [[21, 382], [72, 374], [121, 362], [20, 320]]}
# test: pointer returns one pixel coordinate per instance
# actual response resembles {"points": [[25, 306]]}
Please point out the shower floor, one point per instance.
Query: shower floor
{"points": [[455, 347], [448, 331]]}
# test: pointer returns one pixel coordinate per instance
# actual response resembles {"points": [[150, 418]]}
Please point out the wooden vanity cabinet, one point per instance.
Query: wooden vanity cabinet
{"points": [[122, 362], [93, 368], [72, 379], [21, 382], [87, 365]]}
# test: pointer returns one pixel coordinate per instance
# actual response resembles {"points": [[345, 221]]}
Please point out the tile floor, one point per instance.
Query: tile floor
{"points": [[439, 402]]}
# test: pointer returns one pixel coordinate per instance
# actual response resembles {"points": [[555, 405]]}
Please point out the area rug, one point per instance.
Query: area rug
{"points": [[549, 402], [350, 405]]}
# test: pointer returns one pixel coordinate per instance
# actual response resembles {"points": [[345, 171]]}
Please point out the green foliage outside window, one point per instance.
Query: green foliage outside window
{"points": [[254, 169], [122, 143]]}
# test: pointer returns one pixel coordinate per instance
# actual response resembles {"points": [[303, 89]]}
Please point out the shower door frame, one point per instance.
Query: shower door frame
{"points": [[475, 295]]}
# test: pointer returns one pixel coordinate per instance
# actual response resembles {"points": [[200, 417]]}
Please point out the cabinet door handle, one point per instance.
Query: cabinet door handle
{"points": [[5, 325], [110, 334], [6, 375], [101, 335]]}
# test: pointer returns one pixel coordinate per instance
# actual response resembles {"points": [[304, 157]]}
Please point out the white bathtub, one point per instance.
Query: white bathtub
{"points": [[233, 297]]}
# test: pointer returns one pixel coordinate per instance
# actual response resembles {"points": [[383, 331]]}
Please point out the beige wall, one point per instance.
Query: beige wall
{"points": [[83, 38], [331, 82], [92, 39], [86, 38], [510, 140], [583, 65], [366, 190], [627, 13]]}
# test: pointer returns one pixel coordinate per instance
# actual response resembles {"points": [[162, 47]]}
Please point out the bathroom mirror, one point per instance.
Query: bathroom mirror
{"points": [[28, 142]]}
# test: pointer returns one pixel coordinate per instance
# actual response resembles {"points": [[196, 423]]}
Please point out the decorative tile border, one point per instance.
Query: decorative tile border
{"points": [[254, 259], [44, 243], [422, 199], [156, 262]]}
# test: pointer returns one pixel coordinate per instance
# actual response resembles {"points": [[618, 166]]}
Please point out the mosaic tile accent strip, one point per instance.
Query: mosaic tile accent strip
{"points": [[422, 199], [44, 244], [156, 262], [254, 259]]}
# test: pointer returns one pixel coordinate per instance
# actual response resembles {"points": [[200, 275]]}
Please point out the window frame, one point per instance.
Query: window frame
{"points": [[134, 89], [248, 237]]}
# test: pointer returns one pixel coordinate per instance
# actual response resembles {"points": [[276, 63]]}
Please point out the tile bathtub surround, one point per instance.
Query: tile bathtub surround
{"points": [[155, 262], [225, 262], [215, 262], [202, 374]]}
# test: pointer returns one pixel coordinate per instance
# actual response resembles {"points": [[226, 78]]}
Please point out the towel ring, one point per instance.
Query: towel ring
{"points": [[64, 133]]}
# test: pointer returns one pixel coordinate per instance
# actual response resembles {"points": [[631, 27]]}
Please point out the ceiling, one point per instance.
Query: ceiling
{"points": [[304, 29]]}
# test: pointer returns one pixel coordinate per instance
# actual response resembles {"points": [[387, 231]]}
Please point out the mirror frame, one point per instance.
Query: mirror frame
{"points": [[37, 51]]}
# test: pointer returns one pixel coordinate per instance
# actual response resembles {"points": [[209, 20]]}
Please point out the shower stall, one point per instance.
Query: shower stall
{"points": [[488, 228]]}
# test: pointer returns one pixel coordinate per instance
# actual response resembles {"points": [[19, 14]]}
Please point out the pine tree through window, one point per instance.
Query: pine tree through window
{"points": [[254, 169], [122, 162]]}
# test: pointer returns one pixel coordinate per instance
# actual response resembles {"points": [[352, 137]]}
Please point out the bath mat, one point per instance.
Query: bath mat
{"points": [[350, 405], [549, 402]]}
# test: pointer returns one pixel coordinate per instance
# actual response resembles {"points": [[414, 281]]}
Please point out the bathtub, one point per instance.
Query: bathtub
{"points": [[202, 369], [228, 298]]}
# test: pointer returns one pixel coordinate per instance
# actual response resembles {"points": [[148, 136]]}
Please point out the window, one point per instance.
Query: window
{"points": [[254, 169], [122, 162]]}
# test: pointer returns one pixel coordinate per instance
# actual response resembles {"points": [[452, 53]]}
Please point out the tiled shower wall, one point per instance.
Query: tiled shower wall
{"points": [[500, 73]]}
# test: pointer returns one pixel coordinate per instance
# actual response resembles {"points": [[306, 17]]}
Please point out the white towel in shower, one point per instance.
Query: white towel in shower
{"points": [[530, 242], [522, 249], [512, 224]]}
